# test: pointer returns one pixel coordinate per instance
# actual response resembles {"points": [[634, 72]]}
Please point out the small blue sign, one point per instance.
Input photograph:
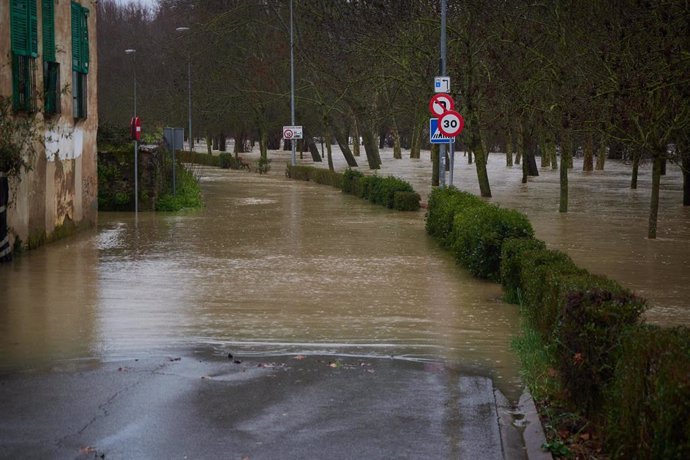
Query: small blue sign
{"points": [[435, 135]]}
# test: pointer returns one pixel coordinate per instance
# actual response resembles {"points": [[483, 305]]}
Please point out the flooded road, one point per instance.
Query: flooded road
{"points": [[269, 267]]}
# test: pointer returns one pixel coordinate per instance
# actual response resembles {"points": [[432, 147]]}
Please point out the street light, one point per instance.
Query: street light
{"points": [[189, 90], [136, 144], [293, 159]]}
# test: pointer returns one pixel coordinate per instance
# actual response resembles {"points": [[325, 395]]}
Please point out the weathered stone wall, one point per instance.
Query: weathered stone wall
{"points": [[60, 191]]}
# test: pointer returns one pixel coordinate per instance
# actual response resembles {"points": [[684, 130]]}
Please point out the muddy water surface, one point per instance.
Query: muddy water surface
{"points": [[270, 266]]}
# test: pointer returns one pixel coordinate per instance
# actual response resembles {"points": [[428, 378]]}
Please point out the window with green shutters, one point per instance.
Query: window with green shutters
{"points": [[24, 48], [80, 59], [51, 68]]}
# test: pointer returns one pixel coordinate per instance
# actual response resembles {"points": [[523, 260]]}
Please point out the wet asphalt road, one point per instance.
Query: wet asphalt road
{"points": [[202, 406]]}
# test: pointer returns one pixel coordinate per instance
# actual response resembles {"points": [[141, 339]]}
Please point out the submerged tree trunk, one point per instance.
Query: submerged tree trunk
{"points": [[416, 147], [588, 161], [635, 168], [601, 156], [397, 150], [311, 146], [329, 149], [685, 164], [434, 165], [509, 149], [371, 149], [545, 155], [341, 139], [565, 158], [209, 143], [654, 205]]}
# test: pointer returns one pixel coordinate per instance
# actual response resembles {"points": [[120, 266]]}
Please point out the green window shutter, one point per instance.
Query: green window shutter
{"points": [[76, 37], [33, 28], [84, 17], [49, 30], [19, 20]]}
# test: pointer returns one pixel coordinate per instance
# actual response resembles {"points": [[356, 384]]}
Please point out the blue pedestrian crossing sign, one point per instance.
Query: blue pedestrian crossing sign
{"points": [[435, 135]]}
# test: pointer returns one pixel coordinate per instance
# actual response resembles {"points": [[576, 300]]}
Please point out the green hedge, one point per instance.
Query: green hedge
{"points": [[649, 403], [197, 158], [478, 235], [378, 190], [630, 380], [406, 201], [443, 204]]}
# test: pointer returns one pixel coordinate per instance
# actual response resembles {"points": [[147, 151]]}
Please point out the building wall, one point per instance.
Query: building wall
{"points": [[60, 191]]}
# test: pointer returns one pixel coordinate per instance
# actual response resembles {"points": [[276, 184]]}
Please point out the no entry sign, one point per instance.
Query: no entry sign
{"points": [[440, 103]]}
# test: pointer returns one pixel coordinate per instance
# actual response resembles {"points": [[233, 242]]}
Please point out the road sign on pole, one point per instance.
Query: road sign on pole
{"points": [[451, 123], [292, 132], [440, 104], [442, 84], [435, 136]]}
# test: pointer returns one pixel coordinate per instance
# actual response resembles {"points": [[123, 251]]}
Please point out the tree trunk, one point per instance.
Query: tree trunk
{"points": [[601, 157], [545, 155], [341, 139], [635, 169], [565, 157], [434, 165], [311, 145], [482, 174], [509, 149], [654, 205], [355, 138], [518, 145], [685, 162], [470, 157], [371, 149], [553, 153], [416, 147], [663, 166], [588, 161], [329, 148], [209, 143], [382, 138], [397, 150]]}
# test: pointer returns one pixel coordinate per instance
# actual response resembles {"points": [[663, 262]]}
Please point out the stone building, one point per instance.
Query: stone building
{"points": [[48, 74]]}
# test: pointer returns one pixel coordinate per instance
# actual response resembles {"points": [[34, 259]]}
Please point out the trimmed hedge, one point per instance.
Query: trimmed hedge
{"points": [[406, 201], [443, 204], [649, 403], [632, 381], [478, 235], [228, 161], [185, 156], [378, 190]]}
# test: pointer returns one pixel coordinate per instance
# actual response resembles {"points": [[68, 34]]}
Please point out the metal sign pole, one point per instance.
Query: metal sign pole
{"points": [[292, 86], [442, 147]]}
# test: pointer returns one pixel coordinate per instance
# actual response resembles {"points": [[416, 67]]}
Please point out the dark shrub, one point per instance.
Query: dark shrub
{"points": [[512, 252], [366, 184], [592, 313], [541, 272], [227, 161], [198, 158], [478, 234], [326, 177], [298, 172], [649, 400], [351, 181], [443, 204], [406, 201]]}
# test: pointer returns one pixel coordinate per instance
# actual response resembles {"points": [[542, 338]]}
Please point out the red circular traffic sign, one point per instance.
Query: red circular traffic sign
{"points": [[441, 103], [287, 134], [451, 123]]}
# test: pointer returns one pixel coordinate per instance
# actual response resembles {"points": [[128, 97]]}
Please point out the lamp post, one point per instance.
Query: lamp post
{"points": [[189, 90], [136, 143]]}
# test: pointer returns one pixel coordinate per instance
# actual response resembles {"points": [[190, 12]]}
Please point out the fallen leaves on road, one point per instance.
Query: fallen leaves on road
{"points": [[87, 450]]}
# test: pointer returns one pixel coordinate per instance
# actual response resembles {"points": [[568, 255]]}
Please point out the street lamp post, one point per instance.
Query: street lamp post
{"points": [[136, 143], [189, 91]]}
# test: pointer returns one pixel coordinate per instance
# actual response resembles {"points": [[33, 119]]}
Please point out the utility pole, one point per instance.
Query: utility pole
{"points": [[136, 143]]}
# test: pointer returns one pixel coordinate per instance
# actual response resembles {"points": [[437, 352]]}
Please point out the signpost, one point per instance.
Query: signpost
{"points": [[451, 123], [436, 136], [292, 132], [441, 84], [440, 103], [174, 140]]}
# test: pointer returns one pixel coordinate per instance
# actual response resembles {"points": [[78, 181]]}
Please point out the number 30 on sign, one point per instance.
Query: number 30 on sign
{"points": [[451, 123]]}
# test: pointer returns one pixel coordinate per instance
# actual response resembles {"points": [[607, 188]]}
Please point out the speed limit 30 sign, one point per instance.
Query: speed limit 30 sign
{"points": [[292, 132], [451, 123]]}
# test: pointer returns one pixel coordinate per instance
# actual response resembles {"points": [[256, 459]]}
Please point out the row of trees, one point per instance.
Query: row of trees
{"points": [[529, 76]]}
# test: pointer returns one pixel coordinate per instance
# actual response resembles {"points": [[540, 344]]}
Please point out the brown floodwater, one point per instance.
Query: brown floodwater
{"points": [[268, 267], [605, 230]]}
